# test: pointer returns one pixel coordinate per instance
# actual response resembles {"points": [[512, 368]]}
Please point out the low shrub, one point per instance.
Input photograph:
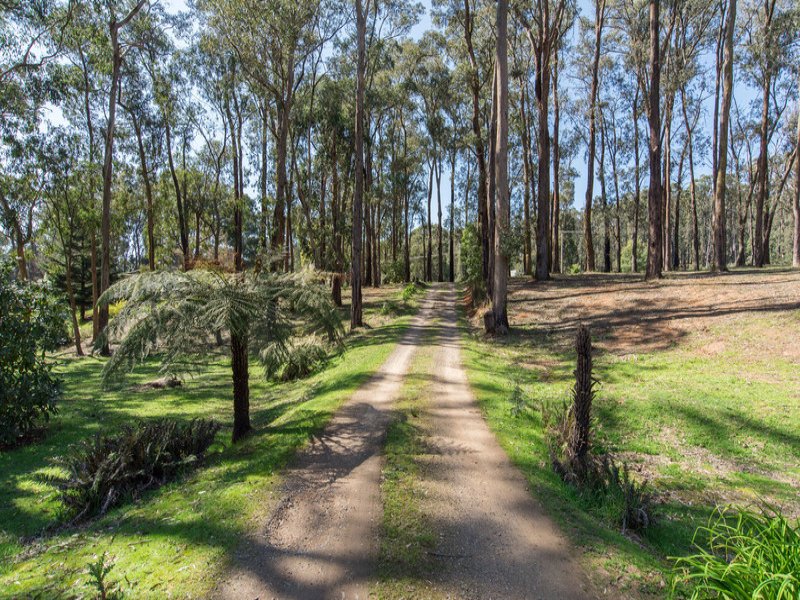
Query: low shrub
{"points": [[296, 361], [32, 322], [410, 291], [744, 555], [598, 478], [106, 470]]}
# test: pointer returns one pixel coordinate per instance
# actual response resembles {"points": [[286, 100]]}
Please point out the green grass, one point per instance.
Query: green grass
{"points": [[406, 534], [707, 429], [175, 540]]}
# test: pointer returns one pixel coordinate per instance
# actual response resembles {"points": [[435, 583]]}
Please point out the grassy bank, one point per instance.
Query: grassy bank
{"points": [[696, 399], [174, 540]]}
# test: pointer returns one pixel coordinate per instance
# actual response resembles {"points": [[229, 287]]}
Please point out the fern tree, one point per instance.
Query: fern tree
{"points": [[181, 316]]}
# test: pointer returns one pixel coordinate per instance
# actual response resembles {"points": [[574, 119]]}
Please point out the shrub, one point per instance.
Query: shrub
{"points": [[106, 470], [393, 272], [410, 291], [295, 361], [599, 479], [472, 264], [32, 322], [744, 555]]}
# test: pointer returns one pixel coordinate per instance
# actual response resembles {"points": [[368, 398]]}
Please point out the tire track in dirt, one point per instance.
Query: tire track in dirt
{"points": [[493, 539], [321, 540]]}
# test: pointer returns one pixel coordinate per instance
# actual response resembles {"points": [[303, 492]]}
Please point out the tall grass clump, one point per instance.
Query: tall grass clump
{"points": [[744, 555]]}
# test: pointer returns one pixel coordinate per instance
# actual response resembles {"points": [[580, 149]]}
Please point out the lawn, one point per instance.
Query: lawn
{"points": [[698, 391], [174, 540]]}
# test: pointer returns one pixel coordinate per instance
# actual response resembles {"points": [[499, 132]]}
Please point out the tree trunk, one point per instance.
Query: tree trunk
{"points": [[637, 192], [429, 248], [526, 172], [720, 251], [796, 202], [604, 201], [692, 186], [452, 215], [543, 144], [555, 246], [763, 175], [241, 386], [108, 173], [148, 193], [76, 330], [356, 319], [475, 86], [499, 313], [654, 244], [440, 275], [599, 12]]}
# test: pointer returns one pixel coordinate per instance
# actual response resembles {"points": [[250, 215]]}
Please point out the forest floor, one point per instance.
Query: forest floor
{"points": [[699, 391]]}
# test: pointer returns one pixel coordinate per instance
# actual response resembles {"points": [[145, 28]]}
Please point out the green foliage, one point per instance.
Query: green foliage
{"points": [[98, 573], [300, 360], [519, 401], [32, 321], [574, 269], [106, 470], [393, 271], [626, 260], [472, 263], [176, 314], [744, 555], [411, 290], [605, 486]]}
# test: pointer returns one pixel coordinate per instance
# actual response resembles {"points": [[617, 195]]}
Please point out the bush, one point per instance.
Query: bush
{"points": [[744, 555], [598, 479], [394, 271], [472, 264], [106, 470], [411, 290], [32, 322], [295, 361]]}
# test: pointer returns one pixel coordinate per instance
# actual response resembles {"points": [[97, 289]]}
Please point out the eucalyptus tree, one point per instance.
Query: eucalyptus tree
{"points": [[599, 19], [470, 22], [770, 32], [31, 40], [273, 43], [544, 26], [66, 208], [498, 323], [796, 198], [118, 15]]}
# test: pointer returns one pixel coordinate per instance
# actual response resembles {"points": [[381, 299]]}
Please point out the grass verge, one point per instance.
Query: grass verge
{"points": [[406, 536], [704, 429]]}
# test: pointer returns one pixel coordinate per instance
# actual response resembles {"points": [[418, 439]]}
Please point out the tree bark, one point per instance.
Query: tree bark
{"points": [[241, 386], [720, 250], [499, 313], [599, 12], [654, 244], [356, 319], [796, 202], [555, 246]]}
